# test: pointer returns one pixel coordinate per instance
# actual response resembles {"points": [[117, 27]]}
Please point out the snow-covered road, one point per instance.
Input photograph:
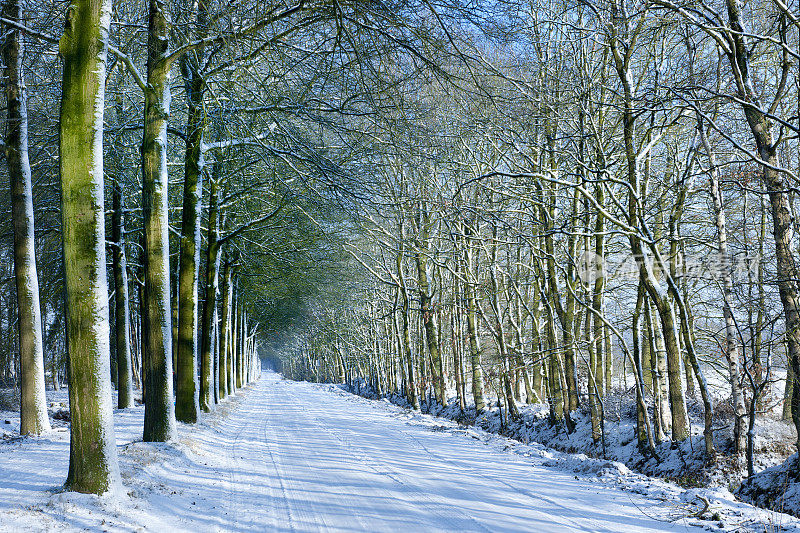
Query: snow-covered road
{"points": [[288, 456]]}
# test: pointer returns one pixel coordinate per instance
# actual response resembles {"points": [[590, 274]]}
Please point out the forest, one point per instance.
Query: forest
{"points": [[571, 223]]}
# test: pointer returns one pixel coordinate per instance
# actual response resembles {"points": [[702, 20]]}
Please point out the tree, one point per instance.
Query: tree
{"points": [[33, 406], [93, 466], [188, 391], [211, 381], [159, 418], [122, 320]]}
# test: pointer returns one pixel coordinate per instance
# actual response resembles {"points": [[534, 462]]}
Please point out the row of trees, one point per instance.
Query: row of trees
{"points": [[590, 209], [179, 294], [229, 354]]}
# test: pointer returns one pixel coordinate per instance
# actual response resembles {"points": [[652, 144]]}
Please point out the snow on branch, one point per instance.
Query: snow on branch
{"points": [[230, 143]]}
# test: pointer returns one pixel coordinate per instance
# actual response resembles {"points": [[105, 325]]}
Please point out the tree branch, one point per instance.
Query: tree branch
{"points": [[122, 56]]}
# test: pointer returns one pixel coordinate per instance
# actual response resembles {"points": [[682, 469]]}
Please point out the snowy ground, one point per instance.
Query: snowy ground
{"points": [[288, 456]]}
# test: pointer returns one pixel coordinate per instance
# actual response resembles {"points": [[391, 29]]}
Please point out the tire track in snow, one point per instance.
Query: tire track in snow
{"points": [[457, 468], [453, 519], [297, 517], [284, 495], [408, 418], [449, 517], [537, 497], [233, 477], [241, 460], [338, 464]]}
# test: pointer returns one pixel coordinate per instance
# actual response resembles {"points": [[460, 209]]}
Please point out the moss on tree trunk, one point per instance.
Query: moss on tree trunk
{"points": [[93, 464]]}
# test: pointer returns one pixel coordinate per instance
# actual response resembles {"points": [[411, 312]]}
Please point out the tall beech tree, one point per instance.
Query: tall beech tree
{"points": [[161, 57], [211, 381], [159, 416], [188, 390], [93, 466], [33, 405], [122, 321]]}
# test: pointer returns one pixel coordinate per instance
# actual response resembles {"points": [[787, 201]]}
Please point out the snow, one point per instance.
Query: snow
{"points": [[775, 487], [292, 456], [683, 463]]}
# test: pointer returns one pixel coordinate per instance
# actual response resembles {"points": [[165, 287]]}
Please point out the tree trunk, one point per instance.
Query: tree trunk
{"points": [[225, 385], [565, 315], [641, 411], [93, 466], [656, 373], [731, 349], [236, 323], [472, 332], [455, 336], [429, 314], [237, 335], [500, 335], [555, 392], [215, 356], [187, 395], [159, 413], [143, 342], [242, 344], [207, 381], [232, 339], [405, 337], [33, 403], [121, 302]]}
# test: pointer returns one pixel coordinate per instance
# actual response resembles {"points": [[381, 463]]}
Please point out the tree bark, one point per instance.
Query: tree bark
{"points": [[187, 395], [159, 414], [215, 347], [428, 313], [93, 466], [499, 330], [241, 325], [121, 302], [232, 337], [405, 335], [472, 330], [33, 404], [731, 349], [207, 381], [641, 411], [225, 385]]}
